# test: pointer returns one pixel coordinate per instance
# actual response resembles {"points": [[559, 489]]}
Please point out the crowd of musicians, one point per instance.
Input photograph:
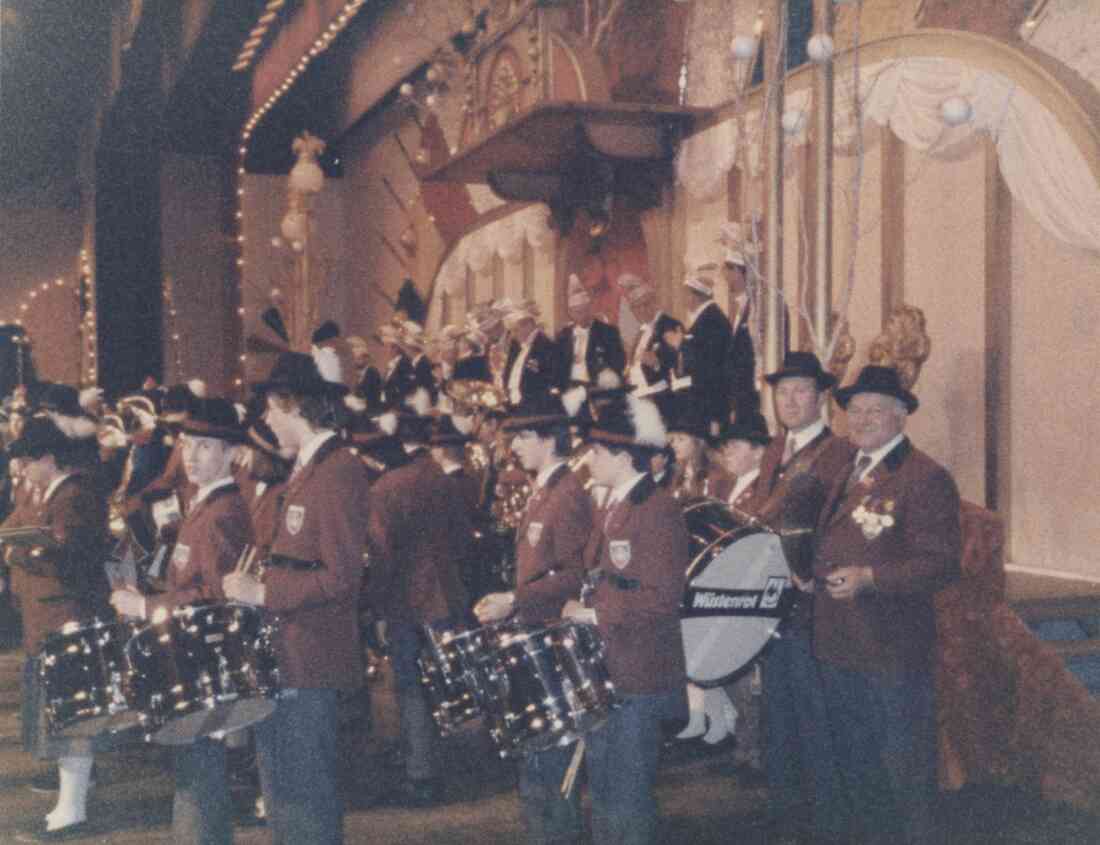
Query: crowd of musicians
{"points": [[492, 473]]}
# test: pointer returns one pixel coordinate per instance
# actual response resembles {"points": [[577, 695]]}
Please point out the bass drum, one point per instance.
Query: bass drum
{"points": [[738, 591]]}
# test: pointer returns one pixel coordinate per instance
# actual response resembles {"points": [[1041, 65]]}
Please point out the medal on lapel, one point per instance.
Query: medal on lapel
{"points": [[620, 552], [295, 518]]}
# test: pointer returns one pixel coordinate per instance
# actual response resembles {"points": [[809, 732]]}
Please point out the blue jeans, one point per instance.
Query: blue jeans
{"points": [[201, 809], [297, 758], [622, 758], [419, 735], [798, 749], [884, 731], [548, 818]]}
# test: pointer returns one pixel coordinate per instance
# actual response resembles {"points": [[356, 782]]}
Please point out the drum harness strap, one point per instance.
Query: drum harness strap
{"points": [[594, 576]]}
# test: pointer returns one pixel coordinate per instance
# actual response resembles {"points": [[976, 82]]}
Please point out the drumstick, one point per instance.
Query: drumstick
{"points": [[248, 562], [240, 560], [571, 773]]}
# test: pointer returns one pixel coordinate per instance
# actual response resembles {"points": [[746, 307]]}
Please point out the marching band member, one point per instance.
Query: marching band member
{"points": [[212, 537], [312, 583], [637, 559], [54, 585], [550, 544], [418, 533], [692, 473]]}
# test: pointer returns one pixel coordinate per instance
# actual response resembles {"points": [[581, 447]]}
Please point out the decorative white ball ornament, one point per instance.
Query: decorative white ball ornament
{"points": [[297, 246], [743, 47], [293, 227], [820, 48], [306, 176], [432, 74], [793, 121], [277, 242], [431, 101], [406, 89], [956, 111]]}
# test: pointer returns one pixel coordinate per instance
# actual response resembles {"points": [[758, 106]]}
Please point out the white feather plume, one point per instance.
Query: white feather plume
{"points": [[388, 422], [649, 428], [90, 397], [328, 364], [573, 399], [75, 428], [198, 387]]}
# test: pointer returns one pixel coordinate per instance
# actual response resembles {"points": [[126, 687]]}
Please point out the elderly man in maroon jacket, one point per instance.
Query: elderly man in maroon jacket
{"points": [[550, 542], [636, 560], [887, 540], [312, 581], [211, 539], [419, 531]]}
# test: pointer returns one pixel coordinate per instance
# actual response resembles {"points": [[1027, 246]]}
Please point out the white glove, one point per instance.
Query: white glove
{"points": [[494, 607], [129, 603], [578, 612], [242, 587]]}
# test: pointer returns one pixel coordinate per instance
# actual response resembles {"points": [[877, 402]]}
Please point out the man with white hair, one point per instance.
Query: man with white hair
{"points": [[653, 357], [888, 539], [532, 366], [587, 346]]}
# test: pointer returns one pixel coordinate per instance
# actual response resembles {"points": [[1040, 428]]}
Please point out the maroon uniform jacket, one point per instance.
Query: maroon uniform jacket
{"points": [[419, 531], [550, 544], [264, 512], [793, 495], [69, 584], [640, 545], [908, 533], [316, 571], [210, 541]]}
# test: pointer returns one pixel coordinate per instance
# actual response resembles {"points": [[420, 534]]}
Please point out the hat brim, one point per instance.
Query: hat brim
{"points": [[198, 428], [758, 438], [825, 381], [845, 394], [535, 422]]}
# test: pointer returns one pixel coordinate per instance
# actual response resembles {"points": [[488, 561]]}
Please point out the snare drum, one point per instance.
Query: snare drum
{"points": [[548, 686], [454, 670], [204, 669], [82, 667]]}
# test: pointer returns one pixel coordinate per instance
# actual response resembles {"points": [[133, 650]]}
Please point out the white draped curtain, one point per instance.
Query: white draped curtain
{"points": [[1043, 168]]}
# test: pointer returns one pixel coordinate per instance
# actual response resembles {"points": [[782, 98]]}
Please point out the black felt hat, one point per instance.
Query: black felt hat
{"points": [[297, 373], [40, 437], [802, 365], [875, 379], [537, 413], [215, 418], [753, 428]]}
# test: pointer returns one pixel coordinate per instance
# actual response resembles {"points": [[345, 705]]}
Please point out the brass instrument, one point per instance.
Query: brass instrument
{"points": [[470, 396]]}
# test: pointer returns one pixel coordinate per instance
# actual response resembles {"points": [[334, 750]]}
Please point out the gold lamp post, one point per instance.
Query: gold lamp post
{"points": [[306, 179]]}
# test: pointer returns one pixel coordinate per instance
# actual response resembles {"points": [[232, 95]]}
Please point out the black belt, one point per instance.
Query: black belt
{"points": [[296, 563]]}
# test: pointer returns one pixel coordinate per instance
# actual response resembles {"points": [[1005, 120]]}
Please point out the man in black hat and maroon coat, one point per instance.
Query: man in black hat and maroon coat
{"points": [[796, 470], [419, 531], [888, 539], [212, 537], [312, 581], [636, 564], [54, 584]]}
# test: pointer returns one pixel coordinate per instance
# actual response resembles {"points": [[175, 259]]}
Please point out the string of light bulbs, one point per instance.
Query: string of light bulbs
{"points": [[325, 40]]}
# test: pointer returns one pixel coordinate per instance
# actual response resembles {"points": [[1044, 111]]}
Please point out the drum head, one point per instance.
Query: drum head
{"points": [[738, 592]]}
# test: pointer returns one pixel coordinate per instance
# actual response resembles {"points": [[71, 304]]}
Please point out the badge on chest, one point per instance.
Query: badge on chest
{"points": [[620, 552], [295, 518], [181, 556]]}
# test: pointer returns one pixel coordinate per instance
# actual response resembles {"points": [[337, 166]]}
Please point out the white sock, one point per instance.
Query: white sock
{"points": [[721, 716], [697, 723], [75, 774]]}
